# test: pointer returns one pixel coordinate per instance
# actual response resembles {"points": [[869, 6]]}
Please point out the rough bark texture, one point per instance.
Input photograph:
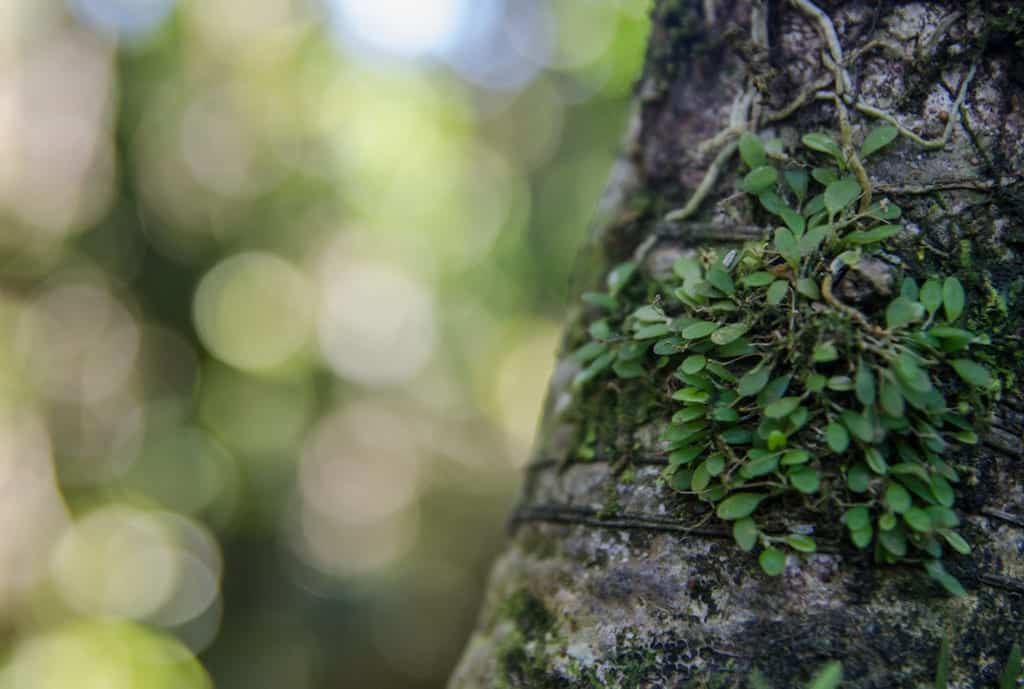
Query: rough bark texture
{"points": [[602, 584]]}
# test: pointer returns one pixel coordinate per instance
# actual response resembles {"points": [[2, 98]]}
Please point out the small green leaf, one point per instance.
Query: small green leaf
{"points": [[890, 397], [688, 414], [649, 314], [875, 234], [649, 332], [752, 150], [815, 382], [957, 542], [825, 175], [729, 333], [628, 369], [805, 480], [785, 242], [953, 298], [776, 440], [605, 301], [698, 329], [794, 221], [754, 381], [931, 296], [667, 346], [761, 466], [971, 372], [841, 194], [813, 208], [824, 353], [737, 506], [596, 367], [772, 561], [801, 543], [745, 532], [694, 363], [685, 455], [862, 537], [808, 288], [725, 414], [721, 280], [715, 464], [796, 456], [877, 138], [758, 279], [691, 395], [859, 425], [797, 181], [760, 178], [864, 384], [894, 540], [809, 243], [828, 677], [937, 572], [942, 665], [681, 479], [736, 436], [887, 522], [857, 518], [777, 292], [942, 491], [619, 276], [772, 202], [701, 477], [782, 407], [909, 289], [918, 520], [902, 311], [590, 351], [858, 478], [1012, 670], [837, 437], [897, 498], [823, 143], [876, 461]]}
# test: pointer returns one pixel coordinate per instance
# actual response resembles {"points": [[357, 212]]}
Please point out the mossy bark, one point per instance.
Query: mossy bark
{"points": [[605, 582]]}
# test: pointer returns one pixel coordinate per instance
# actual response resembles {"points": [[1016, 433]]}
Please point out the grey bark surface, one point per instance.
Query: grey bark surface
{"points": [[604, 582]]}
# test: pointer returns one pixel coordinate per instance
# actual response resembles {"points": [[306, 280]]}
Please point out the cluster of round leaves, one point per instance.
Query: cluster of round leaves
{"points": [[786, 392]]}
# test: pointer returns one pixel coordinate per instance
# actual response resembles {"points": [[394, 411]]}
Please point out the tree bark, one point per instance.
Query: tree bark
{"points": [[604, 582]]}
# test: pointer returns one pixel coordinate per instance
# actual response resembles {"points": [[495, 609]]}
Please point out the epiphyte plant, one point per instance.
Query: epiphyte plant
{"points": [[807, 368]]}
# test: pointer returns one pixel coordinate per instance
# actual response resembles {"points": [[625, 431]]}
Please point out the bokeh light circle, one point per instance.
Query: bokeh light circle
{"points": [[105, 655], [253, 310], [377, 324]]}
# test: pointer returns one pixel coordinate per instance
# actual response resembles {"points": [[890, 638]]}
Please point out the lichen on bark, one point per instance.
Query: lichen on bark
{"points": [[630, 595]]}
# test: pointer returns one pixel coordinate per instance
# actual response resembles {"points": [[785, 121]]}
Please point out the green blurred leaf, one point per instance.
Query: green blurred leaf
{"points": [[801, 543], [797, 181], [878, 138], [953, 298], [931, 296], [777, 292], [841, 194], [971, 372], [619, 277], [758, 279], [760, 178], [745, 532], [772, 561], [823, 143], [752, 150], [837, 437], [737, 506], [876, 234], [828, 677]]}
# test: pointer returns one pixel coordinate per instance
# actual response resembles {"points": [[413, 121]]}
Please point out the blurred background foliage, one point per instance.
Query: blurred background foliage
{"points": [[280, 287]]}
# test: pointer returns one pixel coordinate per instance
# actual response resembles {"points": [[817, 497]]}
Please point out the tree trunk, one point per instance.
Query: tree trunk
{"points": [[613, 579]]}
